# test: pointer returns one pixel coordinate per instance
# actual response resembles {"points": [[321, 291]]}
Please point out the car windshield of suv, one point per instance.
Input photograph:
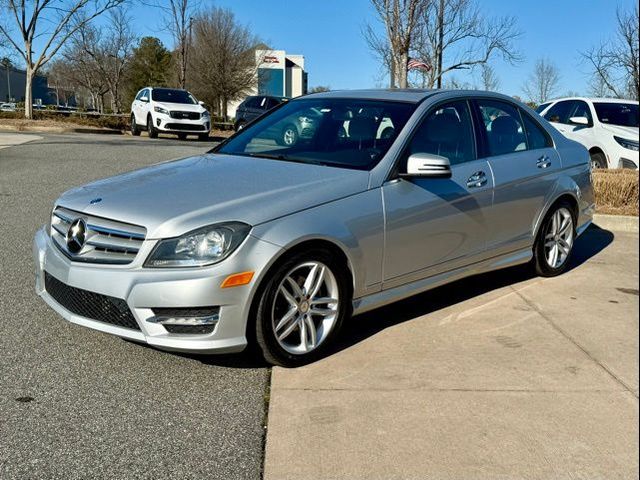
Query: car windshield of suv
{"points": [[623, 114], [347, 133], [172, 96]]}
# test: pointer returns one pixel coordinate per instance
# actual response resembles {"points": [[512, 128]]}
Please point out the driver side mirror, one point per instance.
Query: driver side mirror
{"points": [[579, 121], [144, 99], [427, 165], [201, 103]]}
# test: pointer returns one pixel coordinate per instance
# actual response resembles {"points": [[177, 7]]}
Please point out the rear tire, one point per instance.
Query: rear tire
{"points": [[555, 241], [598, 161], [301, 307], [135, 131], [151, 130]]}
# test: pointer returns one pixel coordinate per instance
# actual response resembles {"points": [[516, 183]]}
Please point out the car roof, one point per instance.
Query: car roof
{"points": [[594, 100], [411, 95]]}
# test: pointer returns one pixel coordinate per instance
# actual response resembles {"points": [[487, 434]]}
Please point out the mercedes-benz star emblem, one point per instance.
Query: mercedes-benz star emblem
{"points": [[76, 235]]}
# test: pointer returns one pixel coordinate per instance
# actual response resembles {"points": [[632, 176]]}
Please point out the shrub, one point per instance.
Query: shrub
{"points": [[616, 191]]}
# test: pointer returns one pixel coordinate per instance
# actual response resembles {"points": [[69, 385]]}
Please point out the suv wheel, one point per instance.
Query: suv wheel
{"points": [[301, 308], [554, 245], [135, 130], [598, 160], [289, 136], [151, 130]]}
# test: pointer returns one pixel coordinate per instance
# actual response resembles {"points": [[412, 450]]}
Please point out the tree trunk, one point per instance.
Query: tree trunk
{"points": [[392, 72], [28, 94], [401, 70]]}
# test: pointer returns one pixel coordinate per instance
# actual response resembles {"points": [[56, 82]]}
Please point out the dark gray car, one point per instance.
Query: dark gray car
{"points": [[255, 106]]}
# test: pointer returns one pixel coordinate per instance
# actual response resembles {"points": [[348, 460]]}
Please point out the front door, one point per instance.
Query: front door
{"points": [[437, 224]]}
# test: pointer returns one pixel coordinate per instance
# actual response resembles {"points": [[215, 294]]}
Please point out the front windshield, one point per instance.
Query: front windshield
{"points": [[623, 114], [172, 96], [347, 133]]}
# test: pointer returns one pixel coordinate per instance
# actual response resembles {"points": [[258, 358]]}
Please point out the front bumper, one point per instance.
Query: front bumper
{"points": [[165, 123], [621, 157], [144, 289]]}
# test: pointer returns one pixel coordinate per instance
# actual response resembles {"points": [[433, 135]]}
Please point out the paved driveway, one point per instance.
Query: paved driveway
{"points": [[78, 403]]}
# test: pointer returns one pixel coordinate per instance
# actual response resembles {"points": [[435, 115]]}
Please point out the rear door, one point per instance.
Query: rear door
{"points": [[524, 165], [437, 224]]}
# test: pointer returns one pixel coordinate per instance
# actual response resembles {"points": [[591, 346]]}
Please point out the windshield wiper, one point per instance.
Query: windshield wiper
{"points": [[286, 158]]}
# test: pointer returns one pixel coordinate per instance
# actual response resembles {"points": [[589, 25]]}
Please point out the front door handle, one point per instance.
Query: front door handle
{"points": [[476, 180], [543, 162]]}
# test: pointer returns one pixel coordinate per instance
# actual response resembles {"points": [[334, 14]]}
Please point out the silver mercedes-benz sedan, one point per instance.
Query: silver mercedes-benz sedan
{"points": [[275, 245]]}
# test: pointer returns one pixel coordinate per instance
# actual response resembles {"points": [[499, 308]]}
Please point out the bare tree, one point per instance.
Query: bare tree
{"points": [[52, 22], [455, 35], [490, 81], [616, 63], [222, 58], [110, 51], [401, 19], [543, 82]]}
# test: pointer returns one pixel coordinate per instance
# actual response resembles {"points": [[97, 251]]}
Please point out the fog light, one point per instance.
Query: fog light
{"points": [[185, 316]]}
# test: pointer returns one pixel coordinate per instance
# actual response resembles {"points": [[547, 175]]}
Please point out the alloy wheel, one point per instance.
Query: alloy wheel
{"points": [[290, 136], [559, 237], [305, 307]]}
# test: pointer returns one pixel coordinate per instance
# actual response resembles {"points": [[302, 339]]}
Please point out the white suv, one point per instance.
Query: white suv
{"points": [[607, 127], [169, 110]]}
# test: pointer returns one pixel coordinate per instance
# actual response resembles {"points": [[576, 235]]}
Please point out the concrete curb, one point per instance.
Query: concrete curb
{"points": [[617, 223], [37, 129]]}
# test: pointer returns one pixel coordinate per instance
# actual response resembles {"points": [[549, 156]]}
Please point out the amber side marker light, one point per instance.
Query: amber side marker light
{"points": [[237, 279]]}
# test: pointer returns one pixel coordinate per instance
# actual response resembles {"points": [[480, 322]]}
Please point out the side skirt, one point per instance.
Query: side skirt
{"points": [[385, 297]]}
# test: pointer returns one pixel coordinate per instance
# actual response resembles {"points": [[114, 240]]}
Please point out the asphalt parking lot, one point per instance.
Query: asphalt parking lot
{"points": [[499, 376], [76, 403]]}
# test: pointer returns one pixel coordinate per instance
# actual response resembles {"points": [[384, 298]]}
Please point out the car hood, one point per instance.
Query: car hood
{"points": [[183, 107], [625, 132], [175, 197]]}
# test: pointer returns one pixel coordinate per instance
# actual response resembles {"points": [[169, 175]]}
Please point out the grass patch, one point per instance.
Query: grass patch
{"points": [[616, 191]]}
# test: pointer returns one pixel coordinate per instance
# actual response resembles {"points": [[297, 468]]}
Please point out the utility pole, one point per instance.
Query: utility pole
{"points": [[6, 63], [440, 43]]}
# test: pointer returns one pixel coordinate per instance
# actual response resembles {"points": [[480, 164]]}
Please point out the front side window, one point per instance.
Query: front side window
{"points": [[347, 133], [503, 126], [169, 95], [623, 114], [446, 131], [581, 109], [560, 112]]}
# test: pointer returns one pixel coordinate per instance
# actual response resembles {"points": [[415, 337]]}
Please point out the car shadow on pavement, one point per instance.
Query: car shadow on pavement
{"points": [[368, 324], [363, 326]]}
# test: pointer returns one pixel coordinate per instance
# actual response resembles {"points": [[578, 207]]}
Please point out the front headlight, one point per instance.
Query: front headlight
{"points": [[626, 143], [199, 248], [164, 111], [206, 114]]}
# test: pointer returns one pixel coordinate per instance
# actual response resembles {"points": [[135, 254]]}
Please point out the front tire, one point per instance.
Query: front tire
{"points": [[554, 244], [151, 130], [301, 308], [598, 161], [135, 131]]}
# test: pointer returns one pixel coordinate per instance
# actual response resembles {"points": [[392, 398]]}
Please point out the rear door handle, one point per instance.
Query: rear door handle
{"points": [[476, 180], [543, 162]]}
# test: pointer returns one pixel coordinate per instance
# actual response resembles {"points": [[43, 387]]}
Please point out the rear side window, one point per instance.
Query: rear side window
{"points": [[252, 102], [503, 127], [536, 136], [542, 107], [446, 131], [560, 112]]}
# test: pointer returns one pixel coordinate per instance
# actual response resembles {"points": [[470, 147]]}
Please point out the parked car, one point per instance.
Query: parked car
{"points": [[169, 110], [253, 107], [7, 107], [607, 127], [278, 245]]}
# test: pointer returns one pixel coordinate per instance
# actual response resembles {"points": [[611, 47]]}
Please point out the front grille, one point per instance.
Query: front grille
{"points": [[105, 241], [185, 126], [94, 306], [185, 115]]}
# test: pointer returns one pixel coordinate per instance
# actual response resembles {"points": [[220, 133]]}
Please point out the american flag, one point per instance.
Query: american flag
{"points": [[418, 65]]}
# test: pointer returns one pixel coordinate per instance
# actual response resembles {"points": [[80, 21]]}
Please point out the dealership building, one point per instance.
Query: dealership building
{"points": [[13, 82], [278, 74]]}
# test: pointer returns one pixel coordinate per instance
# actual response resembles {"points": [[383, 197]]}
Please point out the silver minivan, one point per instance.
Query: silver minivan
{"points": [[257, 242]]}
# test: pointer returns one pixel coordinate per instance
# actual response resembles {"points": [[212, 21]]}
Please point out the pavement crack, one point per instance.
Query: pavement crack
{"points": [[565, 334]]}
